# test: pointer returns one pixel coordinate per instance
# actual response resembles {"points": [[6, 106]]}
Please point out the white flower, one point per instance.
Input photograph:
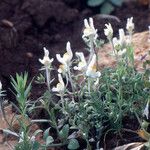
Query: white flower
{"points": [[46, 61], [121, 52], [91, 69], [118, 47], [108, 31], [60, 87], [116, 44], [0, 85], [82, 63], [67, 56], [130, 25], [65, 60], [63, 68], [89, 30], [121, 42], [122, 38]]}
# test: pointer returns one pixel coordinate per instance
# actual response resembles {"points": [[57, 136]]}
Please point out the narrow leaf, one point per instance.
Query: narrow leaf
{"points": [[46, 133], [64, 132]]}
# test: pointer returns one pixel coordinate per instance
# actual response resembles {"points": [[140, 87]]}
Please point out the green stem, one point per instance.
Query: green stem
{"points": [[92, 52], [108, 88], [130, 37], [48, 78], [88, 145], [62, 101], [89, 86], [113, 49], [71, 82]]}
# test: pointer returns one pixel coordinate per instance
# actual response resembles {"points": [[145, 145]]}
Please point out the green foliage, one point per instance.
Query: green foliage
{"points": [[27, 145], [49, 140], [22, 90], [46, 133], [64, 132], [23, 146], [106, 6], [73, 144]]}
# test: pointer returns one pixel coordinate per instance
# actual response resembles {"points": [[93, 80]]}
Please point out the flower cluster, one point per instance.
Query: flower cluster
{"points": [[108, 31], [82, 62], [130, 25], [88, 69], [65, 60], [91, 69], [89, 30], [119, 44]]}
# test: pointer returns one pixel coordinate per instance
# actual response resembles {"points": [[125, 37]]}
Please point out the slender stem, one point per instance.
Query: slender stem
{"points": [[71, 82], [89, 86], [62, 101], [130, 37], [66, 79], [48, 78], [136, 115], [88, 145], [108, 88], [116, 55], [92, 52], [120, 91]]}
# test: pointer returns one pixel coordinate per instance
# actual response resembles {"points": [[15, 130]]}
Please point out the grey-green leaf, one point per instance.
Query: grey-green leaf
{"points": [[49, 140], [46, 133], [94, 3], [73, 144], [36, 145], [63, 134], [106, 8]]}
